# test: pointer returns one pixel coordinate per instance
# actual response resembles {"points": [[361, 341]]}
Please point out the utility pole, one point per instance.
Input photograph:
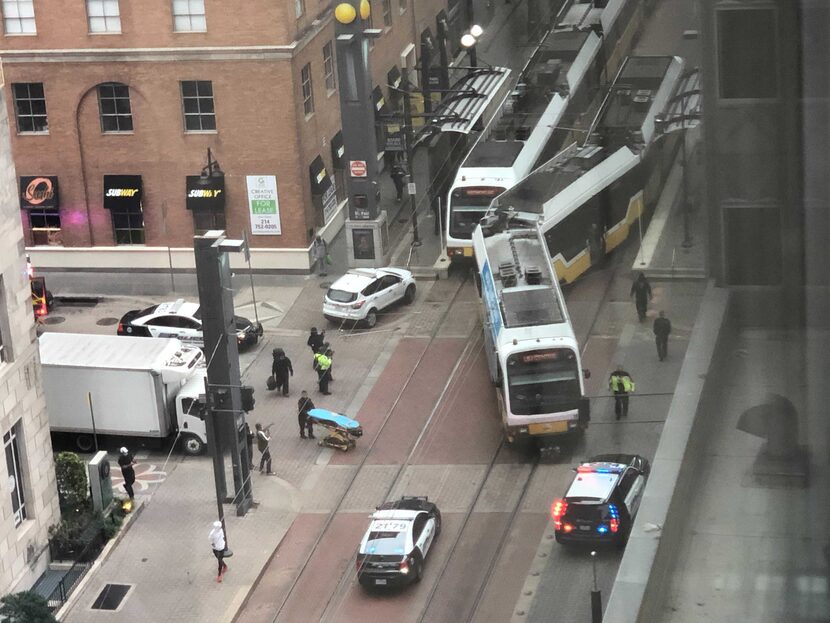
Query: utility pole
{"points": [[366, 225], [409, 149], [224, 419]]}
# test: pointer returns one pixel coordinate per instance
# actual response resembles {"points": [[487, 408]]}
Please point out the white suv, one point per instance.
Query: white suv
{"points": [[362, 292]]}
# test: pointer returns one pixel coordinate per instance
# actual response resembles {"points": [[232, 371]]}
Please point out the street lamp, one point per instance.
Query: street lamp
{"points": [[211, 170], [469, 41]]}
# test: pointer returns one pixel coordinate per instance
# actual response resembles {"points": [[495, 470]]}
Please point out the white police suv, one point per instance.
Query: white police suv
{"points": [[400, 536], [362, 292]]}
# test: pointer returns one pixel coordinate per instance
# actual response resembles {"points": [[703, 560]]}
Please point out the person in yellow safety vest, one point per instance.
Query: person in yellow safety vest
{"points": [[621, 384], [322, 363]]}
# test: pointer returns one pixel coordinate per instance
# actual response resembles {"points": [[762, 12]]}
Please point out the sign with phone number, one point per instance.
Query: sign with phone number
{"points": [[264, 205]]}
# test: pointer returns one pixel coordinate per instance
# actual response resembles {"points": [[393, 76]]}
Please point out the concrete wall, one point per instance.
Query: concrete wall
{"points": [[23, 548]]}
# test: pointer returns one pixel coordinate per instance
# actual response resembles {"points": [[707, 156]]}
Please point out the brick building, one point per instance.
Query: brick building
{"points": [[114, 104], [29, 500]]}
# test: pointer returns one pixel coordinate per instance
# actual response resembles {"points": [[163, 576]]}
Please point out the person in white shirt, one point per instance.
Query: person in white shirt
{"points": [[217, 542]]}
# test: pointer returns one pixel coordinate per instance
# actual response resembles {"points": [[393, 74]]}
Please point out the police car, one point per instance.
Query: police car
{"points": [[399, 538], [602, 501], [181, 320], [362, 292]]}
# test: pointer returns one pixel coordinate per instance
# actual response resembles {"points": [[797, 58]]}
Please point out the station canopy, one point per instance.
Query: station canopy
{"points": [[470, 96]]}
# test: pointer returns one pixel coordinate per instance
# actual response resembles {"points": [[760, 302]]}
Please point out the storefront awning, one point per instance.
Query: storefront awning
{"points": [[320, 181], [39, 192], [122, 192], [337, 151], [472, 96], [205, 193]]}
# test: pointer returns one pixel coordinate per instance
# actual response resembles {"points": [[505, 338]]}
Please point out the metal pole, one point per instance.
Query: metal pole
{"points": [[473, 56], [251, 275], [596, 595], [687, 225], [92, 415], [407, 119], [215, 454], [170, 262]]}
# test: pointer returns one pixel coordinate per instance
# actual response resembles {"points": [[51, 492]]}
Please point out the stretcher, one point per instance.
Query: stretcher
{"points": [[342, 430]]}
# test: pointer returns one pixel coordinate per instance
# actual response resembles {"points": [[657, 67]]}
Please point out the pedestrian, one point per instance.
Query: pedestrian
{"points": [[217, 542], [322, 363], [398, 175], [281, 368], [304, 405], [641, 291], [319, 253], [316, 340], [263, 440], [621, 384], [126, 462], [662, 329], [249, 441]]}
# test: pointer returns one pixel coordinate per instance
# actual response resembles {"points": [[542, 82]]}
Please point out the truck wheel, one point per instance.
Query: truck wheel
{"points": [[192, 445], [84, 443]]}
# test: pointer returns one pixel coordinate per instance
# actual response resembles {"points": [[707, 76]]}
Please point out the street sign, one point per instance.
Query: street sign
{"points": [[357, 168]]}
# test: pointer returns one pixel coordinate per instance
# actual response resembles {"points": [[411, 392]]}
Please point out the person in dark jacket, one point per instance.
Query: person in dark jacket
{"points": [[316, 340], [126, 462], [662, 329], [249, 442], [281, 368], [641, 291], [398, 175], [304, 405]]}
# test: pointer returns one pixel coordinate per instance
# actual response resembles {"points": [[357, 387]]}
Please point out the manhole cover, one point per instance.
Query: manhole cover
{"points": [[53, 320], [325, 285], [111, 596], [106, 322]]}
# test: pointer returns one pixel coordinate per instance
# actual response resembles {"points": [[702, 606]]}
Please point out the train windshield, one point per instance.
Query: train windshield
{"points": [[467, 208], [543, 381]]}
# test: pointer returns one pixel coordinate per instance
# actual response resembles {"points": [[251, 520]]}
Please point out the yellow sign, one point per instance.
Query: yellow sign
{"points": [[548, 427]]}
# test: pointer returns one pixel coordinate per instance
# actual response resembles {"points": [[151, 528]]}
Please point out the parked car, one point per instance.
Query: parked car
{"points": [[362, 292], [602, 501], [181, 320], [396, 544]]}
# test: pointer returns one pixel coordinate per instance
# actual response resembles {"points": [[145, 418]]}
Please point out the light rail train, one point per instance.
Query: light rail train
{"points": [[558, 87]]}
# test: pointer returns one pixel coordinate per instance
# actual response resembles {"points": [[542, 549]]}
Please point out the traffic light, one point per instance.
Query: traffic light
{"points": [[248, 401]]}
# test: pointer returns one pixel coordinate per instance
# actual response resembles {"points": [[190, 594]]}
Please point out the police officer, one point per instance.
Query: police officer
{"points": [[281, 368], [662, 329], [322, 363], [621, 384]]}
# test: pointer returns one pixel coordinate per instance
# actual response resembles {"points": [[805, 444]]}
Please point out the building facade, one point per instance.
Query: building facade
{"points": [[29, 499], [113, 106]]}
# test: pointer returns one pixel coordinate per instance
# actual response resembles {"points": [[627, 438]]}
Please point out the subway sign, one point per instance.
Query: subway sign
{"points": [[38, 191], [205, 194], [122, 192]]}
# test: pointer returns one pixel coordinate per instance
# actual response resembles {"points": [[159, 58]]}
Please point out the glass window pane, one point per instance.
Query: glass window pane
{"points": [[97, 24], [181, 23], [206, 105], [25, 124], [191, 122], [188, 88], [111, 7], [743, 74], [198, 22], [180, 7], [122, 106], [208, 122], [205, 88]]}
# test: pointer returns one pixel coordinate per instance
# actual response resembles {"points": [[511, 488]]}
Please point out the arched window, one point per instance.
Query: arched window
{"points": [[114, 107]]}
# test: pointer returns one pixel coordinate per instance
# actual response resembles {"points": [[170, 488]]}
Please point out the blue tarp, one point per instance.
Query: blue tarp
{"points": [[324, 415]]}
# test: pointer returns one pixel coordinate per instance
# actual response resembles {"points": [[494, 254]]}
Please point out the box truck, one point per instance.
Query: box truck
{"points": [[126, 387]]}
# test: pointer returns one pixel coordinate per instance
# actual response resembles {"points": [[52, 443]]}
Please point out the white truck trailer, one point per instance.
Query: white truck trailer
{"points": [[123, 387]]}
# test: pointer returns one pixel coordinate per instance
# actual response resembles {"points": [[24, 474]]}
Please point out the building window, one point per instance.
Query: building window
{"points": [[128, 225], [103, 15], [205, 220], [45, 225], [13, 464], [328, 67], [308, 93], [299, 8], [19, 17], [30, 106], [197, 100], [742, 75], [402, 4], [189, 16], [114, 105], [386, 5]]}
